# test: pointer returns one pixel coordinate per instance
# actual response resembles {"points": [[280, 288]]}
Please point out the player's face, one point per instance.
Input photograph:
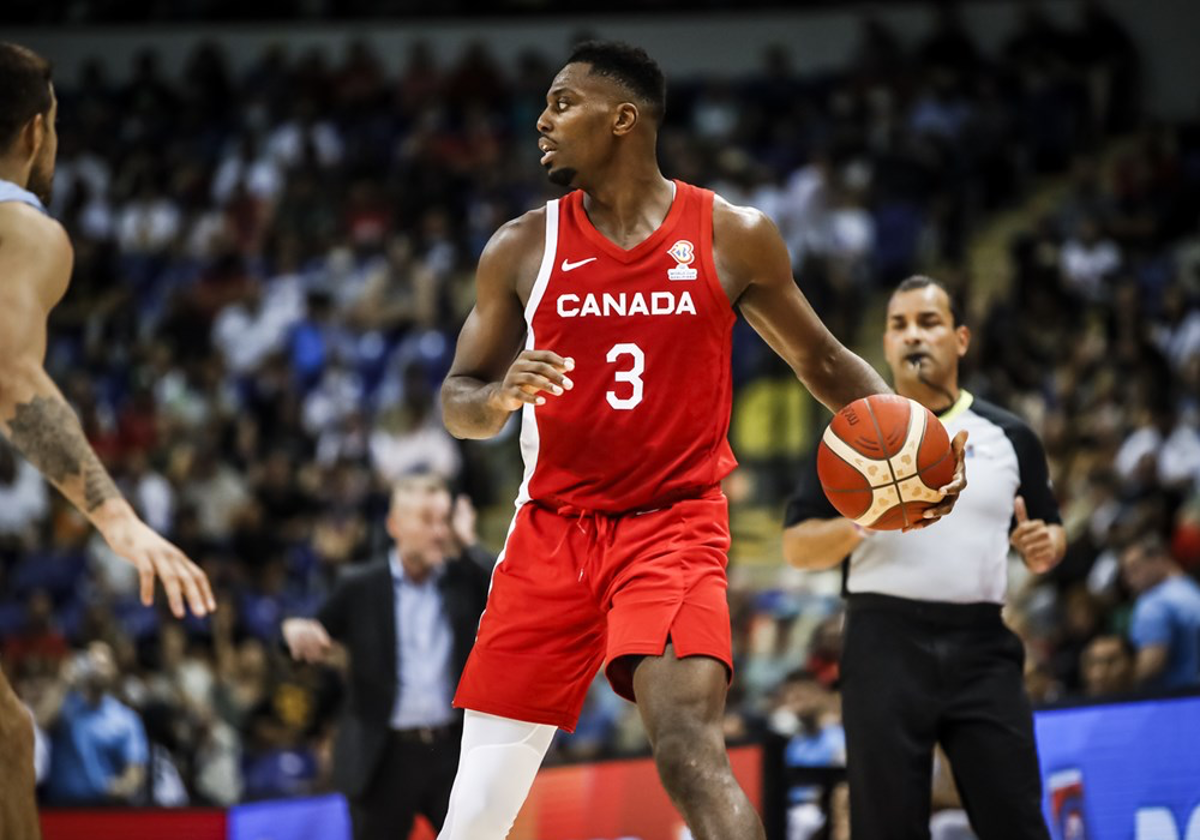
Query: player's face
{"points": [[576, 127], [921, 340], [41, 176], [420, 525]]}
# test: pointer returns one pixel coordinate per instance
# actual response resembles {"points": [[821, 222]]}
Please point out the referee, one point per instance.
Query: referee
{"points": [[926, 658]]}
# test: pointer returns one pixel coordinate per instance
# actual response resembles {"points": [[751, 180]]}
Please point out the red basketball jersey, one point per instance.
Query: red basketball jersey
{"points": [[650, 331]]}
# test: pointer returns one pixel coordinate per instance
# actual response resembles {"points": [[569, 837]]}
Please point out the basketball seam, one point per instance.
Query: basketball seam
{"points": [[920, 473], [870, 488], [883, 444]]}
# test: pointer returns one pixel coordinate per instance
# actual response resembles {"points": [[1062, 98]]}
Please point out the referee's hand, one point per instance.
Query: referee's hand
{"points": [[1034, 539], [951, 491]]}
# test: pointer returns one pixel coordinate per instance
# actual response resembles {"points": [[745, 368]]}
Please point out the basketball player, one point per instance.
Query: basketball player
{"points": [[622, 295], [926, 658], [35, 267]]}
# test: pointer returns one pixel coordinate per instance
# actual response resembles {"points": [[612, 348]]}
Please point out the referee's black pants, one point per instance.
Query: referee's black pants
{"points": [[917, 673]]}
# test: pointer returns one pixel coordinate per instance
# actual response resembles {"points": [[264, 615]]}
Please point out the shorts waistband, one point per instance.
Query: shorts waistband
{"points": [[563, 508], [940, 612]]}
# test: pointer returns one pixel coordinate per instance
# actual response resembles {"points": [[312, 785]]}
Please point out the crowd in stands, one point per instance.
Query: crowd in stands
{"points": [[271, 269]]}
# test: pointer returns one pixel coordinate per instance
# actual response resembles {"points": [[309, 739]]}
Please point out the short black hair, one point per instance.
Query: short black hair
{"points": [[24, 90], [629, 66], [920, 281]]}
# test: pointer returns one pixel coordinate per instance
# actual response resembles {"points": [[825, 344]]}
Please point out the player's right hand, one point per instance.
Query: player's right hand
{"points": [[531, 376], [307, 640]]}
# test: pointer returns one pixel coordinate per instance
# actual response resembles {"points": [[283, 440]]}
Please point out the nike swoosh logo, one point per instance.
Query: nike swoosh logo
{"points": [[571, 266]]}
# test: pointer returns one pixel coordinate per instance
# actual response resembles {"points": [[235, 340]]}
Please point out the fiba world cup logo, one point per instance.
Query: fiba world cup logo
{"points": [[1066, 804]]}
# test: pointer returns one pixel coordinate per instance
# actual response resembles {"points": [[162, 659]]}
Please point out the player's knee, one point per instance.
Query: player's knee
{"points": [[689, 761], [480, 817]]}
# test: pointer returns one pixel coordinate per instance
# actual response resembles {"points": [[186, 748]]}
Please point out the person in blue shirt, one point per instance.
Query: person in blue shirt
{"points": [[408, 623], [1165, 628], [99, 750]]}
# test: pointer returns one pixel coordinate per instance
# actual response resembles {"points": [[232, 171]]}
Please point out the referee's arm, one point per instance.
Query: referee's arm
{"points": [[1037, 533], [814, 535]]}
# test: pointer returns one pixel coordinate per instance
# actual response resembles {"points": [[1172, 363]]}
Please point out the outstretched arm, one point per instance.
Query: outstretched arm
{"points": [[35, 267], [751, 254], [752, 258], [489, 378]]}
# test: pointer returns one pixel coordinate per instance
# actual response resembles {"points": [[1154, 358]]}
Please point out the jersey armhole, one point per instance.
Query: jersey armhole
{"points": [[707, 223], [549, 252]]}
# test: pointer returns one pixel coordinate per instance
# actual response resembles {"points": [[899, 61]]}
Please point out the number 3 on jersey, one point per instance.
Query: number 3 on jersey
{"points": [[633, 375]]}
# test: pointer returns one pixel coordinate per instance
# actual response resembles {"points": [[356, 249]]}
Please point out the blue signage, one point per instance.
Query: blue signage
{"points": [[1125, 771]]}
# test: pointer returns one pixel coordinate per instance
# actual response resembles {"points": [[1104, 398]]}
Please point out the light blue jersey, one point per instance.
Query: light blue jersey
{"points": [[11, 192]]}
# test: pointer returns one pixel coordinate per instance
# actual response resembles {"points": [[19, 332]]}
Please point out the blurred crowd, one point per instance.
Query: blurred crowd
{"points": [[271, 269]]}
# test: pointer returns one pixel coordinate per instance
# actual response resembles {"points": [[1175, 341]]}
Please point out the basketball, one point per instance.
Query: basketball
{"points": [[882, 460]]}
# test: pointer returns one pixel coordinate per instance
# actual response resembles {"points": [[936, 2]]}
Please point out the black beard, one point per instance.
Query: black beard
{"points": [[562, 177]]}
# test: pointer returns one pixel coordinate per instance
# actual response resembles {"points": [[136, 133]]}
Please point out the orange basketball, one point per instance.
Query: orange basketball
{"points": [[882, 460]]}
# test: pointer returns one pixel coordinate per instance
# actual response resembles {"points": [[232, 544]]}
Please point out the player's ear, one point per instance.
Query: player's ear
{"points": [[964, 339], [627, 117], [32, 136]]}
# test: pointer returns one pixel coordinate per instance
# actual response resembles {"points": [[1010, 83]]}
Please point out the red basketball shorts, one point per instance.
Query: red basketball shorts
{"points": [[574, 590]]}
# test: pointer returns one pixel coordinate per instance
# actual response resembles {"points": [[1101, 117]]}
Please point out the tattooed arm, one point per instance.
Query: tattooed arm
{"points": [[35, 267]]}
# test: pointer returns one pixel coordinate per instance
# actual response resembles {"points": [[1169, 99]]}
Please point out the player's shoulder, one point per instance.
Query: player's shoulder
{"points": [[23, 225], [739, 219], [518, 239], [524, 230]]}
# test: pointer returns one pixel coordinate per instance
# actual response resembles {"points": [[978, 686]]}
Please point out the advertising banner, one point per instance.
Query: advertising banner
{"points": [[1127, 771]]}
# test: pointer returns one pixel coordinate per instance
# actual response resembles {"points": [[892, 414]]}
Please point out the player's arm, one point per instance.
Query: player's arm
{"points": [[35, 267], [489, 378], [750, 253]]}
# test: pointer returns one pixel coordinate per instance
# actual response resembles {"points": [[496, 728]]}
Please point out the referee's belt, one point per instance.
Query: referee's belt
{"points": [[425, 734], [979, 613]]}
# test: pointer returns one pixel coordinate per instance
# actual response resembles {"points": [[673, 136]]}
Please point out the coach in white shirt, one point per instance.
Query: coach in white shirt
{"points": [[926, 658]]}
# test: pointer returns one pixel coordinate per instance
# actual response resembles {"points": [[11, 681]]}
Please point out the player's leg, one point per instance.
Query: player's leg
{"points": [[682, 702], [669, 650], [540, 643], [988, 737], [18, 806], [889, 710], [500, 758]]}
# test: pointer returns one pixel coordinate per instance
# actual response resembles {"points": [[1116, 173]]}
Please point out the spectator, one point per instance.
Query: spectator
{"points": [[1089, 262], [99, 751], [1107, 666], [1165, 628]]}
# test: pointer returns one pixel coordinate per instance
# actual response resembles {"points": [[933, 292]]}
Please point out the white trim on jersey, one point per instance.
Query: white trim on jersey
{"points": [[530, 439]]}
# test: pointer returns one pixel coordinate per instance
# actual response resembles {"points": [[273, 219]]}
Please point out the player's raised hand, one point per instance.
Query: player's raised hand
{"points": [[531, 376], [951, 491], [135, 541], [1033, 540]]}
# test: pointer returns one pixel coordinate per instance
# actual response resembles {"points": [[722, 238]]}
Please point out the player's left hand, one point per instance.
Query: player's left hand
{"points": [[951, 491], [154, 557], [1033, 539]]}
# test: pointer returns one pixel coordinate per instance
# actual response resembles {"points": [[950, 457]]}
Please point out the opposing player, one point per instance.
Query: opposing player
{"points": [[623, 295], [35, 267]]}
